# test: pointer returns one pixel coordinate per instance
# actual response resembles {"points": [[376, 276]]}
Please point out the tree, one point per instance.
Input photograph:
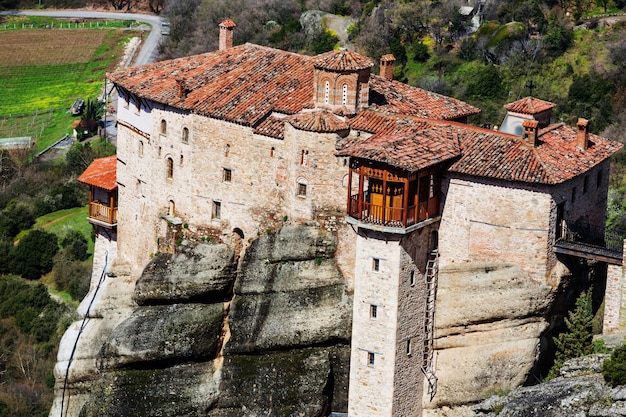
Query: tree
{"points": [[156, 6], [614, 368], [15, 217], [33, 255], [577, 340]]}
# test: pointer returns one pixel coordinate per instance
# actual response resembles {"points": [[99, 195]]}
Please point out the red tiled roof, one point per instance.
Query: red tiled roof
{"points": [[388, 58], [407, 143], [529, 105], [412, 144], [342, 61], [246, 83], [397, 97], [273, 127], [101, 173], [319, 121], [227, 23]]}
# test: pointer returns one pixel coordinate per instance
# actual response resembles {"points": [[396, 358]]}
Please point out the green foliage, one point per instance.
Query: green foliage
{"points": [[64, 196], [614, 368], [15, 217], [577, 340], [33, 255], [421, 52], [325, 42], [485, 84], [557, 39], [587, 97], [71, 275], [74, 244], [81, 155]]}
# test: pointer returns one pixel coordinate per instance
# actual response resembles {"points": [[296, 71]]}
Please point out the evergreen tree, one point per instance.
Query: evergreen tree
{"points": [[578, 339]]}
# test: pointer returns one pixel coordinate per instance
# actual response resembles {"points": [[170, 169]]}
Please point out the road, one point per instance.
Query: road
{"points": [[148, 51]]}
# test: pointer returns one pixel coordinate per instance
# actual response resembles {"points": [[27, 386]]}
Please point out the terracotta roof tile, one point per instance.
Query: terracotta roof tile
{"points": [[529, 105], [397, 97], [227, 23], [412, 143], [246, 83], [101, 173], [342, 61], [318, 121], [273, 127]]}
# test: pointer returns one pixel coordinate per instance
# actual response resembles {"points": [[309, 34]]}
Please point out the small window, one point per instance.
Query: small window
{"points": [[327, 92], [412, 278], [163, 127], [227, 175], [304, 157], [226, 149], [272, 152], [344, 94], [181, 159], [170, 168], [159, 152], [185, 135], [585, 180], [217, 210], [599, 179], [408, 347], [373, 311], [140, 149], [375, 264], [171, 208], [573, 194], [301, 189], [370, 358]]}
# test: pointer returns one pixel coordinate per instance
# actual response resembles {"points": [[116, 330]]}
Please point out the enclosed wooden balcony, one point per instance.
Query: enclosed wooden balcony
{"points": [[101, 178], [384, 197]]}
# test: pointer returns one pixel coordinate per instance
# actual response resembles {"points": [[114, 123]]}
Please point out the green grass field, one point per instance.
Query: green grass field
{"points": [[44, 70]]}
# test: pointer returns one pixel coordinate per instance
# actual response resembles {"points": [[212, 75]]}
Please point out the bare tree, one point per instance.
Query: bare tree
{"points": [[156, 6]]}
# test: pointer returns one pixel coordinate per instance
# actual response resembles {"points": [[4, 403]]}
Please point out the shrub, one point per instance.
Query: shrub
{"points": [[75, 246], [33, 256], [614, 368], [421, 52], [14, 218]]}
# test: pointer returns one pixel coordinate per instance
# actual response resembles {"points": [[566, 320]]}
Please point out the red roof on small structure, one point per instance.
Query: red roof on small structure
{"points": [[101, 173], [227, 23], [413, 143], [247, 83], [342, 61], [529, 105]]}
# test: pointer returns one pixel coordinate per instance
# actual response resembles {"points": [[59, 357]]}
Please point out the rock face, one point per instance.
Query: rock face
{"points": [[207, 338], [489, 321]]}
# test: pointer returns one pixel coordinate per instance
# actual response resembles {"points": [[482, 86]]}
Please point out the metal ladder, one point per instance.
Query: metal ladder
{"points": [[432, 268]]}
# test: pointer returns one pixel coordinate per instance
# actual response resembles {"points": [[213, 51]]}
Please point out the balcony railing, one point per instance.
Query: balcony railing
{"points": [[387, 216], [102, 214]]}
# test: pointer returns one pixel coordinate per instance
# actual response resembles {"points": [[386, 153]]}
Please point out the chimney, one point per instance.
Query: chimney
{"points": [[530, 131], [582, 136], [226, 34], [182, 91], [386, 66]]}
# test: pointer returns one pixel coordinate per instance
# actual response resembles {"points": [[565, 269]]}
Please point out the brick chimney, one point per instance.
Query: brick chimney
{"points": [[386, 66], [182, 90], [226, 34], [582, 136], [530, 131]]}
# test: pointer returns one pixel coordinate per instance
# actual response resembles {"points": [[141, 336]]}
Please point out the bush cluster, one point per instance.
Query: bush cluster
{"points": [[614, 368]]}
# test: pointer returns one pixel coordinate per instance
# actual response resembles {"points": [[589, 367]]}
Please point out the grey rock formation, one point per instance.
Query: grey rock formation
{"points": [[199, 273], [270, 338]]}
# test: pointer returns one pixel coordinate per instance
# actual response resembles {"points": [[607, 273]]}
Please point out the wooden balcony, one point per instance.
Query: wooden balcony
{"points": [[388, 216], [102, 215]]}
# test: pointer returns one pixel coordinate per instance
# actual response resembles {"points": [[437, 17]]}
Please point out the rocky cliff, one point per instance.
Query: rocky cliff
{"points": [[207, 333]]}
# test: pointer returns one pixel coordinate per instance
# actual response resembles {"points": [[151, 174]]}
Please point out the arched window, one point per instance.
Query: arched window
{"points": [[226, 149], [140, 149], [181, 159], [304, 157], [163, 127], [327, 92], [160, 151], [344, 94], [272, 151], [170, 209], [170, 168], [185, 135]]}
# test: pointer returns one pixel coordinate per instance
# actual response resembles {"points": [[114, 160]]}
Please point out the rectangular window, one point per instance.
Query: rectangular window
{"points": [[373, 311], [217, 209], [408, 347], [412, 278], [375, 264], [227, 175], [370, 358], [301, 190]]}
